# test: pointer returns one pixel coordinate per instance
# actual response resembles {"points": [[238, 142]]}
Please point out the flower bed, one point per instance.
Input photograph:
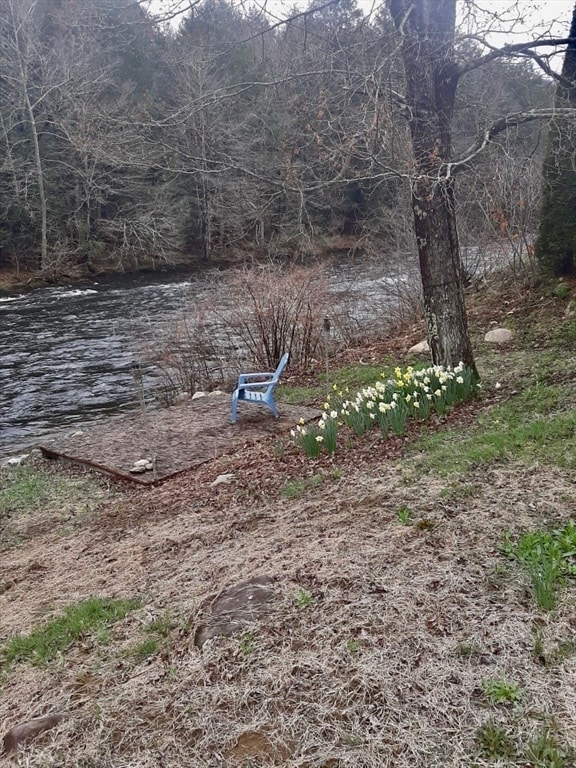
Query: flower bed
{"points": [[388, 405]]}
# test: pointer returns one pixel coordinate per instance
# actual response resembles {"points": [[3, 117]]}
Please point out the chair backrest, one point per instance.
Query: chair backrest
{"points": [[281, 365]]}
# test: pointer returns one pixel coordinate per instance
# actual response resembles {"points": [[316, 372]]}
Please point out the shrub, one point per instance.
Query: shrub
{"points": [[252, 318], [276, 311], [548, 557]]}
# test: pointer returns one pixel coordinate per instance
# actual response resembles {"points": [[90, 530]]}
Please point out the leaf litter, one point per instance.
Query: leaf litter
{"points": [[383, 666]]}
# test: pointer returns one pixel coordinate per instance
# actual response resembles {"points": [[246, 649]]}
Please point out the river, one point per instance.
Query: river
{"points": [[67, 353]]}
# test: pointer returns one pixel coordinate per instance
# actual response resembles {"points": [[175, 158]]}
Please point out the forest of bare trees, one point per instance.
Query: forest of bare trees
{"points": [[125, 143]]}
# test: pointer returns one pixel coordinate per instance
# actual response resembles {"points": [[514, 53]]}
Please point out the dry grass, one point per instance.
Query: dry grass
{"points": [[371, 673], [385, 666]]}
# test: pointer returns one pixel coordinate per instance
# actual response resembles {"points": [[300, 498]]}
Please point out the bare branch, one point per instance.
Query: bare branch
{"points": [[513, 50], [497, 127]]}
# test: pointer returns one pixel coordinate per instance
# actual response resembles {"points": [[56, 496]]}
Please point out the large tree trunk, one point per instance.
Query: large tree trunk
{"points": [[427, 31], [556, 242]]}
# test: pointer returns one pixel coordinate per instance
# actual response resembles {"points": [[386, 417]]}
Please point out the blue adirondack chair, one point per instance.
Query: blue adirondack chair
{"points": [[258, 388]]}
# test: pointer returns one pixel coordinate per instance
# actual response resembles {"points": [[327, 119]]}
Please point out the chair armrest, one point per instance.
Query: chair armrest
{"points": [[246, 377], [254, 385]]}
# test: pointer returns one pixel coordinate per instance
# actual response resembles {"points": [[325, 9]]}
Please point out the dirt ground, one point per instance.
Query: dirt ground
{"points": [[176, 438], [372, 649]]}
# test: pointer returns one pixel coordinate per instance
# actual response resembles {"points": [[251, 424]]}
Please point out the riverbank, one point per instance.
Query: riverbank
{"points": [[14, 281], [390, 623], [70, 352], [17, 282]]}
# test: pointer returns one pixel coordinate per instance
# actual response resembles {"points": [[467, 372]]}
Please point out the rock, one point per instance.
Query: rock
{"points": [[142, 465], [234, 607], [216, 392], [198, 395], [420, 348], [499, 336], [223, 479], [181, 397], [14, 461]]}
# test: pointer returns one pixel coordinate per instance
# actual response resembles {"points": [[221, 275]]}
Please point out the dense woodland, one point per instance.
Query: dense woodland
{"points": [[126, 143]]}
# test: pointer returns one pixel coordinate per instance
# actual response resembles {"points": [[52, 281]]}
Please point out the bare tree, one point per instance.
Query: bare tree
{"points": [[241, 133], [22, 75], [426, 30]]}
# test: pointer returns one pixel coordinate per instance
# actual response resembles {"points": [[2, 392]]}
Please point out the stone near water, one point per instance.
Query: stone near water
{"points": [[420, 348], [499, 336], [14, 461], [142, 465]]}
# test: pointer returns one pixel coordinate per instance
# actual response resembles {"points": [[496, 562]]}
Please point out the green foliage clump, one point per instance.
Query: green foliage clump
{"points": [[89, 618], [495, 742], [548, 557], [544, 750], [26, 489], [561, 290], [501, 691], [303, 598], [294, 489], [145, 649]]}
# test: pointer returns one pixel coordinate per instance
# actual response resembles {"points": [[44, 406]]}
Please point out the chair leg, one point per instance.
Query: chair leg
{"points": [[234, 407], [272, 405]]}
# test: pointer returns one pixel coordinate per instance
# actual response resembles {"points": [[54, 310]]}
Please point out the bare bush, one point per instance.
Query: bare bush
{"points": [[276, 311], [406, 303], [250, 319], [194, 355]]}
